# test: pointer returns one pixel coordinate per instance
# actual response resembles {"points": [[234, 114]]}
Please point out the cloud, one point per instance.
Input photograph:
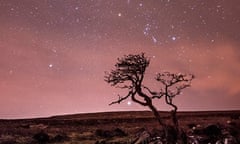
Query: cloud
{"points": [[216, 68]]}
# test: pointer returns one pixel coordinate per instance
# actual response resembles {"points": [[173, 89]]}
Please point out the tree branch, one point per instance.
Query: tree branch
{"points": [[168, 100], [121, 99], [153, 93], [138, 101], [168, 79]]}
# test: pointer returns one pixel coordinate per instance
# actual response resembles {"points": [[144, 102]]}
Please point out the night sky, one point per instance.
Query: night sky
{"points": [[53, 53]]}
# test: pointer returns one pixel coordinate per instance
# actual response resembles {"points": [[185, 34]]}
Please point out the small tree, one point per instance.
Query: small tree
{"points": [[173, 84], [129, 74]]}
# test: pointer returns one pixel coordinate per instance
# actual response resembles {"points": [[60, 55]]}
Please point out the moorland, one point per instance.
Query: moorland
{"points": [[119, 128]]}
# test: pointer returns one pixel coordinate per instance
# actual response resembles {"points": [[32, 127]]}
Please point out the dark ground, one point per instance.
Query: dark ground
{"points": [[118, 127]]}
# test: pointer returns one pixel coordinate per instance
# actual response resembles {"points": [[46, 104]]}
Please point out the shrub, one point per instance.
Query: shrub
{"points": [[103, 133], [60, 138], [9, 142], [41, 137], [119, 132], [212, 130]]}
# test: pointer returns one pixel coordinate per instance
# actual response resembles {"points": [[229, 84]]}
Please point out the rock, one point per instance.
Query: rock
{"points": [[142, 138]]}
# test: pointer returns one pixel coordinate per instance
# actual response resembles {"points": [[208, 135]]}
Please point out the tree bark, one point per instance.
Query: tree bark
{"points": [[157, 115], [149, 103], [161, 123]]}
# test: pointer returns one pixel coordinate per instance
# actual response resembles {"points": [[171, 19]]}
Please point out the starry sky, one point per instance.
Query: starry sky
{"points": [[53, 53]]}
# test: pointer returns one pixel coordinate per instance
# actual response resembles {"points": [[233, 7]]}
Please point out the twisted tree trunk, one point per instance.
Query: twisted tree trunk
{"points": [[148, 102]]}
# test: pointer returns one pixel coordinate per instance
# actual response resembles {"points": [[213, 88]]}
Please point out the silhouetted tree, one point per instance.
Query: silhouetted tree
{"points": [[129, 74], [173, 84]]}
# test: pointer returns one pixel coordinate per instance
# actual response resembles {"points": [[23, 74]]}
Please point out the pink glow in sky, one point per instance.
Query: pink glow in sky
{"points": [[53, 54]]}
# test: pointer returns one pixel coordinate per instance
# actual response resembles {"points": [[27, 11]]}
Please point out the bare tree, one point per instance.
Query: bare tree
{"points": [[173, 84], [129, 74]]}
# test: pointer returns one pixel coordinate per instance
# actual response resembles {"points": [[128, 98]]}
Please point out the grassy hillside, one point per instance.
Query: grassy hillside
{"points": [[91, 128]]}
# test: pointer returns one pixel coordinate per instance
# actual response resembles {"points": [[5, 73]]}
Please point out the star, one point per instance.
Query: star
{"points": [[78, 41], [174, 38], [129, 103], [154, 39], [50, 65]]}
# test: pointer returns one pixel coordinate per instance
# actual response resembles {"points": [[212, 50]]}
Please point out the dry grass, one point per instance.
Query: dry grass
{"points": [[82, 127]]}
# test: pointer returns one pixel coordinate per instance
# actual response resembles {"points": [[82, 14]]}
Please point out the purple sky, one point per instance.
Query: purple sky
{"points": [[53, 53]]}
